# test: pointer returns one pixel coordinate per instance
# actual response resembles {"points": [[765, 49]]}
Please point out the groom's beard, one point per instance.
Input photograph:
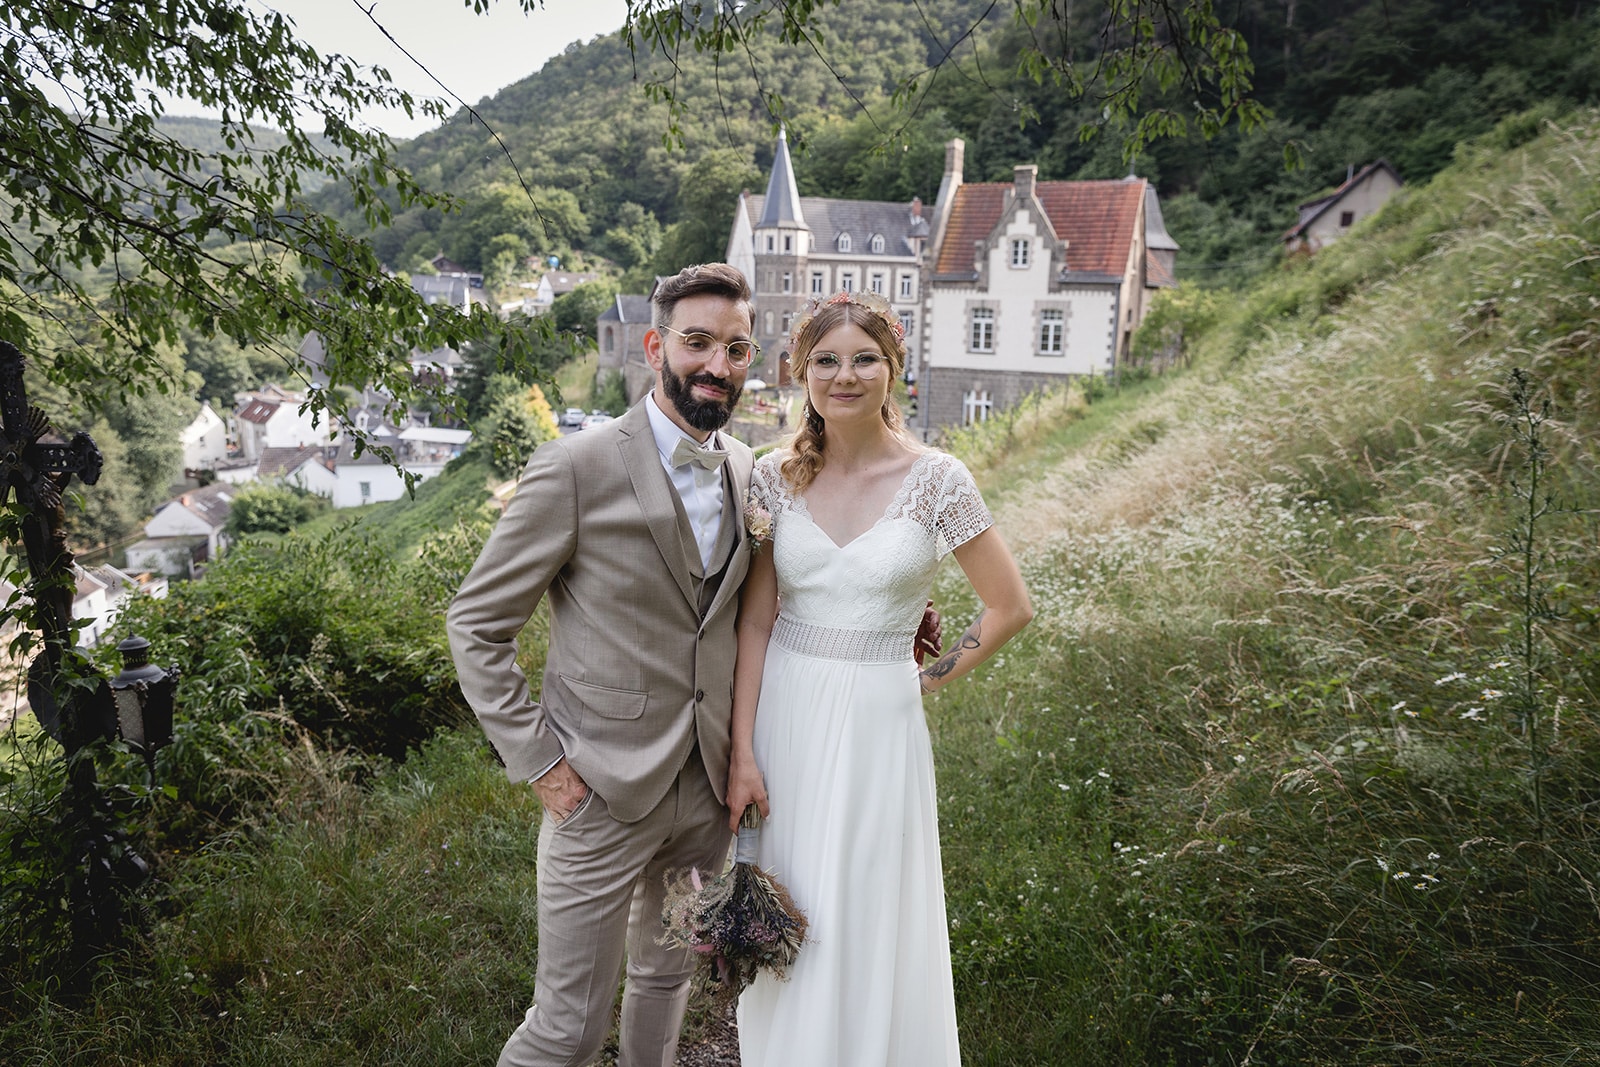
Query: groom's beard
{"points": [[705, 415]]}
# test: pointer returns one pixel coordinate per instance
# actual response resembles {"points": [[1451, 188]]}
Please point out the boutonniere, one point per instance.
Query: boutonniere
{"points": [[757, 523]]}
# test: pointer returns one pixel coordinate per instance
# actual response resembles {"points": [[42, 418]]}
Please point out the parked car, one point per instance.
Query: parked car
{"points": [[571, 419], [594, 418]]}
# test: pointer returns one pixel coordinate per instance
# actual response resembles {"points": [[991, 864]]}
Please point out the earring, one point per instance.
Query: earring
{"points": [[813, 420]]}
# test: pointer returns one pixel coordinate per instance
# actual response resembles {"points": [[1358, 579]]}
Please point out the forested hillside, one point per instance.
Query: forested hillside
{"points": [[1348, 82]]}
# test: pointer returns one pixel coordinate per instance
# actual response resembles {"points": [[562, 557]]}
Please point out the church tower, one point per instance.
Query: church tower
{"points": [[782, 245]]}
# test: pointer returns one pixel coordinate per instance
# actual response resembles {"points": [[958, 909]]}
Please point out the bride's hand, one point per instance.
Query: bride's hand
{"points": [[745, 787]]}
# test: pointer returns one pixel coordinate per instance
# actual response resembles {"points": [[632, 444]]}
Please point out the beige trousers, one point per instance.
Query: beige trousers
{"points": [[601, 884]]}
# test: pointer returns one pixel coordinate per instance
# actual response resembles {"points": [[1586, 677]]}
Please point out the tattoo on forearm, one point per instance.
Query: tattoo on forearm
{"points": [[971, 640]]}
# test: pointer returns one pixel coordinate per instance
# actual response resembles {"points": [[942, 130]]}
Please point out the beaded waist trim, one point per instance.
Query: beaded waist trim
{"points": [[857, 646]]}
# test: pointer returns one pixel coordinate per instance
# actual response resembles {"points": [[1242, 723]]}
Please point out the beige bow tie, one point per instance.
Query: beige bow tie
{"points": [[686, 451]]}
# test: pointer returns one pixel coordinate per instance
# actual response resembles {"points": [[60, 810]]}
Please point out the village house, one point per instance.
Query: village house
{"points": [[205, 441], [99, 594], [270, 417], [1030, 283], [184, 533], [1328, 218], [793, 248], [553, 284], [620, 331], [1002, 288]]}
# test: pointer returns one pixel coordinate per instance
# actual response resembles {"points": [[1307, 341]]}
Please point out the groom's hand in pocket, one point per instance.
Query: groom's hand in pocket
{"points": [[560, 790]]}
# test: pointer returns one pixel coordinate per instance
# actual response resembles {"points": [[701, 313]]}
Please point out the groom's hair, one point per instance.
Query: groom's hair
{"points": [[716, 279]]}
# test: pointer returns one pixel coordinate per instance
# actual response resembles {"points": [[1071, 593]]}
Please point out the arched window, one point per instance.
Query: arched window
{"points": [[844, 242], [877, 244]]}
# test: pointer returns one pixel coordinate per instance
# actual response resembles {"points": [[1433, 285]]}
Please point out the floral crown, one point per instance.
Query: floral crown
{"points": [[872, 302]]}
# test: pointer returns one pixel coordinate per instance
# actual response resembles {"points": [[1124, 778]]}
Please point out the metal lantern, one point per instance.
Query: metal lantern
{"points": [[144, 695]]}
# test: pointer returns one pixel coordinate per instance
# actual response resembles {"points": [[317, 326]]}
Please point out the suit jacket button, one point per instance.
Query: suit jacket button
{"points": [[699, 695]]}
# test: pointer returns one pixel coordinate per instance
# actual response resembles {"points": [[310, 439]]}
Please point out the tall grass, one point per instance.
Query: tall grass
{"points": [[1255, 788]]}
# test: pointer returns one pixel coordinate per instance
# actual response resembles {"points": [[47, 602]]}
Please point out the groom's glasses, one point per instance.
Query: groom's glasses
{"points": [[740, 353], [825, 366]]}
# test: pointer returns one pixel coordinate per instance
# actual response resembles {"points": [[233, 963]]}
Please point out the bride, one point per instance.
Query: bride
{"points": [[829, 739]]}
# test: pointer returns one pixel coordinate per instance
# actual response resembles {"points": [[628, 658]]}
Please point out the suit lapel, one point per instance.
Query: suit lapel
{"points": [[656, 497]]}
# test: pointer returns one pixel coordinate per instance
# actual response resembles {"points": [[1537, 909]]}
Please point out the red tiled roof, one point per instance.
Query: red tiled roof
{"points": [[1095, 218], [258, 411]]}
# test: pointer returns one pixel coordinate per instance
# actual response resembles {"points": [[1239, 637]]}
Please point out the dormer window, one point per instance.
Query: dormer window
{"points": [[1021, 251], [877, 244], [844, 242]]}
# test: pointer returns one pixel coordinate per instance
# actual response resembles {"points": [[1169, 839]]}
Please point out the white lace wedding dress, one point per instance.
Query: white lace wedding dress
{"points": [[841, 740]]}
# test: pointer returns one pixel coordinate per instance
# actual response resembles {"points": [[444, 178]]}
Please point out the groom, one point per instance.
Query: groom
{"points": [[634, 530]]}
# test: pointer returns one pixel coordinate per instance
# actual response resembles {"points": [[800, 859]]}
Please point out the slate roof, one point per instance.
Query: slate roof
{"points": [[827, 218], [451, 289], [212, 503], [1095, 218], [1156, 236], [276, 462], [563, 282], [347, 450], [627, 309], [782, 205]]}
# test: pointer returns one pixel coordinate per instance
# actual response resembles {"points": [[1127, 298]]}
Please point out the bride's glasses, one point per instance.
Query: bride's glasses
{"points": [[825, 366]]}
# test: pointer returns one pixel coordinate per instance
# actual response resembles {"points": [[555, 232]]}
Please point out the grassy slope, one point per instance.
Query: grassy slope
{"points": [[1244, 792]]}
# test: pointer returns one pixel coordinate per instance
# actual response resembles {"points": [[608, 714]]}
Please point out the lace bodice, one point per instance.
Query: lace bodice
{"points": [[879, 582]]}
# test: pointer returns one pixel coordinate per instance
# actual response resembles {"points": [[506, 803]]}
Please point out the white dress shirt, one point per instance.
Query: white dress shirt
{"points": [[699, 489]]}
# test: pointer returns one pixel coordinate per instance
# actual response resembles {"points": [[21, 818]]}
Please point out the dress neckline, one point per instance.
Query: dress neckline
{"points": [[894, 505]]}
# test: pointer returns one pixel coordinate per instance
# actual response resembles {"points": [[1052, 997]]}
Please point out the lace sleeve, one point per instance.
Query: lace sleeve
{"points": [[766, 482], [959, 514]]}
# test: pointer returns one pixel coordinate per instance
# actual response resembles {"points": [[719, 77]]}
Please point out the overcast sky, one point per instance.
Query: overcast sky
{"points": [[474, 55]]}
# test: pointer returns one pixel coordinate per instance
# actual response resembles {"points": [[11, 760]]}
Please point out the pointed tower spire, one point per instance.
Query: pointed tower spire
{"points": [[782, 207]]}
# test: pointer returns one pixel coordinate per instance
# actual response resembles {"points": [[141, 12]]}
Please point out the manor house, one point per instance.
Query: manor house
{"points": [[1004, 287]]}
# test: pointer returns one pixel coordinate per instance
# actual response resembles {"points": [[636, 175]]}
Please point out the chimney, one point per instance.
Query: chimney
{"points": [[1024, 177], [916, 207]]}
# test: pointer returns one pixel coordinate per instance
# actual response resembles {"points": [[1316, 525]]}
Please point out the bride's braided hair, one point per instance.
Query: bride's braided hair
{"points": [[877, 318]]}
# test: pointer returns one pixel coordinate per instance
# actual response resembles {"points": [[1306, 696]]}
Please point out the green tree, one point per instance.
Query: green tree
{"points": [[529, 363], [518, 423], [634, 238], [707, 197], [144, 234], [575, 312], [269, 507], [610, 391]]}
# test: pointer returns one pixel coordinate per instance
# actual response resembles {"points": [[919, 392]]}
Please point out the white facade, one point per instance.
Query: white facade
{"points": [[265, 423], [314, 477], [1031, 284], [361, 483], [1017, 323], [197, 513], [205, 440]]}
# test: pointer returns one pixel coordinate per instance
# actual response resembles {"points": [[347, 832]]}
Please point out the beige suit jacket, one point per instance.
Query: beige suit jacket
{"points": [[636, 672]]}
